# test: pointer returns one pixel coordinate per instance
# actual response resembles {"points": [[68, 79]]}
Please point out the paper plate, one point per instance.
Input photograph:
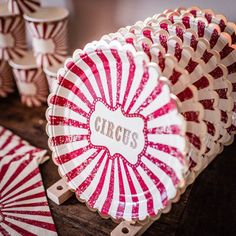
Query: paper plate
{"points": [[23, 205], [116, 133]]}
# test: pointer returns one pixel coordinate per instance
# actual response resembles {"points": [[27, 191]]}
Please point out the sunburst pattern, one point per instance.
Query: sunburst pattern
{"points": [[32, 86], [13, 37], [111, 175], [53, 37], [23, 6], [220, 42], [23, 205], [7, 84]]}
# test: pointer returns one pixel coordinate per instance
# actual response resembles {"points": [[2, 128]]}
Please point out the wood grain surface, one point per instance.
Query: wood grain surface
{"points": [[207, 208]]}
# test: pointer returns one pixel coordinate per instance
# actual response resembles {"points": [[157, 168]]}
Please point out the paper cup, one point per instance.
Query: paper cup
{"points": [[30, 80], [12, 34], [51, 74], [7, 84], [48, 27], [26, 6]]}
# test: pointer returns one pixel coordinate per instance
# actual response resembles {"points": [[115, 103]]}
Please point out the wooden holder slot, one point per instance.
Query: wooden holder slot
{"points": [[59, 193]]}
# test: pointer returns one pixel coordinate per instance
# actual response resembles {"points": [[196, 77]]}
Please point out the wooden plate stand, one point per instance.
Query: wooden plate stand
{"points": [[59, 193]]}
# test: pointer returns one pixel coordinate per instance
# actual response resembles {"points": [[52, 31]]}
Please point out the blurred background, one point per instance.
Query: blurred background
{"points": [[91, 19]]}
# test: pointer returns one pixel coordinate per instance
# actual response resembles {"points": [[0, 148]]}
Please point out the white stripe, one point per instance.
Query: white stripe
{"points": [[162, 99], [86, 172], [75, 162], [103, 195], [150, 85]]}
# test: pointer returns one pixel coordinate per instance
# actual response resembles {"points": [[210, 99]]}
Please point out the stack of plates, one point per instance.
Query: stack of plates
{"points": [[140, 113]]}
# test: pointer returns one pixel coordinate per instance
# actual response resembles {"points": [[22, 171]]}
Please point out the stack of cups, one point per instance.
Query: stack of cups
{"points": [[48, 27], [48, 30], [12, 46], [30, 80]]}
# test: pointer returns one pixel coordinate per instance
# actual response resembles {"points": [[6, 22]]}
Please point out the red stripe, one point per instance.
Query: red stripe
{"points": [[76, 171], [132, 69], [121, 206], [135, 206], [39, 213], [146, 192], [172, 129], [164, 167], [3, 231], [31, 187], [226, 51], [40, 224], [217, 73], [17, 173], [80, 73], [194, 140], [29, 197], [35, 204], [71, 155], [107, 204], [191, 116], [174, 152], [108, 76], [62, 139], [74, 89], [202, 83], [63, 121], [156, 91], [18, 229], [93, 198], [139, 90], [158, 184], [84, 185], [64, 102], [186, 94], [118, 73], [214, 38], [171, 105]]}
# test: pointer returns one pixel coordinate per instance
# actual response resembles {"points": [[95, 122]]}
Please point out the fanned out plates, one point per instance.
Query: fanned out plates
{"points": [[211, 59], [212, 17], [23, 205], [191, 109], [12, 148], [116, 132], [219, 41]]}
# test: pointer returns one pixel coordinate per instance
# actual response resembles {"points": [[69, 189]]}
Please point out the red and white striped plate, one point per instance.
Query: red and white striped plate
{"points": [[116, 133], [23, 205]]}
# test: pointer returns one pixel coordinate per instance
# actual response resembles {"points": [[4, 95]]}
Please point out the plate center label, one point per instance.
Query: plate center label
{"points": [[120, 133]]}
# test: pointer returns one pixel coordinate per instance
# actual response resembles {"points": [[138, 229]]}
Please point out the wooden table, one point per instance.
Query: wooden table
{"points": [[207, 208]]}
